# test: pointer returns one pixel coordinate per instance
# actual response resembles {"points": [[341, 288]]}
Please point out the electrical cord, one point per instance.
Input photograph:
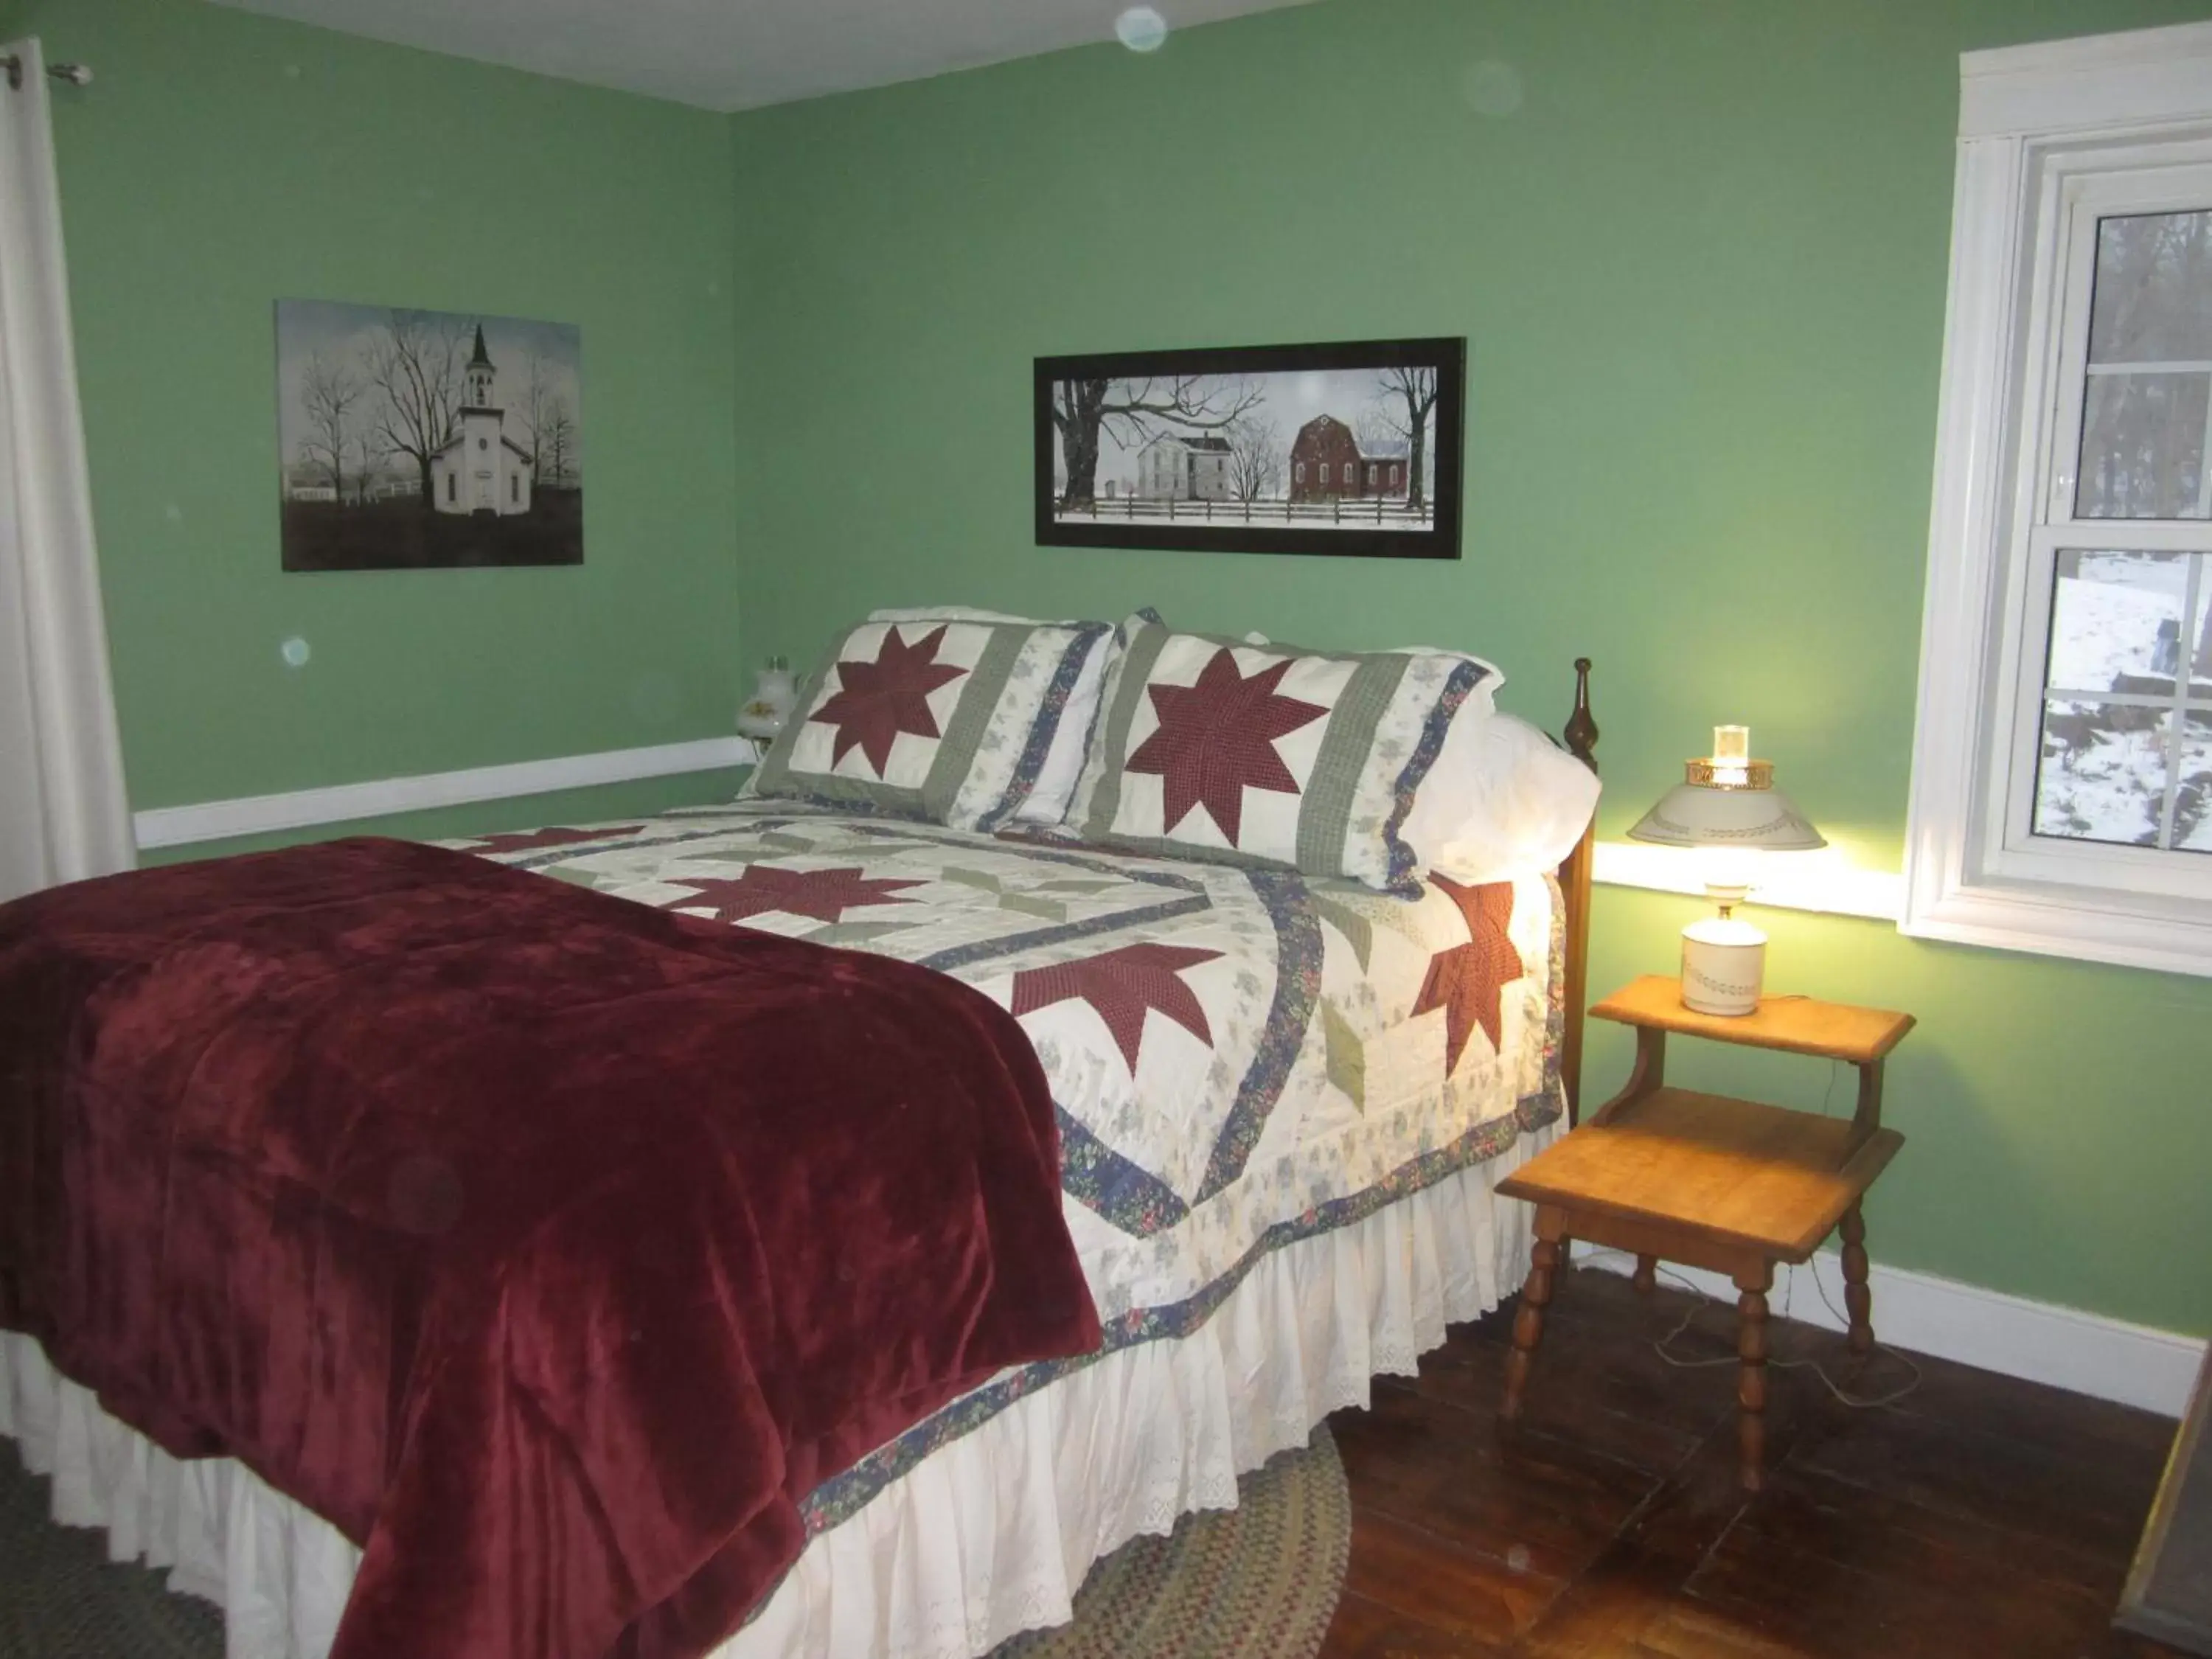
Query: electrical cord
{"points": [[1856, 1402]]}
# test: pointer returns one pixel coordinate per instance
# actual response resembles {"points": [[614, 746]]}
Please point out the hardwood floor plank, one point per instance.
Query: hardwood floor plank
{"points": [[1930, 1601], [2092, 1504], [1366, 1629], [1533, 1500], [1813, 1509], [1422, 1577], [1637, 1577], [1688, 1630], [1982, 1515]]}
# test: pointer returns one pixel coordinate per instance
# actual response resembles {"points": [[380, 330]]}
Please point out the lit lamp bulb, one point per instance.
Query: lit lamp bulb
{"points": [[1731, 755], [1728, 810]]}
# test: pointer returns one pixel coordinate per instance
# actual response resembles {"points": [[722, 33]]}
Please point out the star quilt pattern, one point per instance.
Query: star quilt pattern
{"points": [[946, 719], [1230, 752]]}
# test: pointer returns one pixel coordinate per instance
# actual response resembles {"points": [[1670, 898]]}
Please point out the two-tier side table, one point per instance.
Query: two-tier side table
{"points": [[1733, 1186]]}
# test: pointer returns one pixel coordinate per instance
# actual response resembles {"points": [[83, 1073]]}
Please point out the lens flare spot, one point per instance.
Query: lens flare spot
{"points": [[173, 513], [1491, 88], [1516, 1559], [1141, 28], [295, 651]]}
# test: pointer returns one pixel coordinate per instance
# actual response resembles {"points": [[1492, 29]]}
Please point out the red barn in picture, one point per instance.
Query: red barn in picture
{"points": [[1324, 461], [1328, 463]]}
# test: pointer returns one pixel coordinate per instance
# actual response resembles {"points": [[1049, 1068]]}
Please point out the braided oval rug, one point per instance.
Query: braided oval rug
{"points": [[1257, 1582]]}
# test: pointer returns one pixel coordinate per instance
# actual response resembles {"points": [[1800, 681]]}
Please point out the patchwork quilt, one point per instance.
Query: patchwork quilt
{"points": [[1239, 1057]]}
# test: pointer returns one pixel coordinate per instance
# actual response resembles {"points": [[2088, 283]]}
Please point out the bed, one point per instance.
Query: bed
{"points": [[1282, 1103]]}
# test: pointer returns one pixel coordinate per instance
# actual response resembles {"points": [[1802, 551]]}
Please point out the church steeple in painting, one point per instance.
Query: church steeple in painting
{"points": [[481, 374]]}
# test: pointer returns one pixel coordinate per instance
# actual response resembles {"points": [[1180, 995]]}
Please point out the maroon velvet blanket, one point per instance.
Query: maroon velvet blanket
{"points": [[550, 1245]]}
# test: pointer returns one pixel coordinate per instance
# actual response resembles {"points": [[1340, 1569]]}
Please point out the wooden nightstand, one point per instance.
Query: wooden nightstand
{"points": [[1730, 1185]]}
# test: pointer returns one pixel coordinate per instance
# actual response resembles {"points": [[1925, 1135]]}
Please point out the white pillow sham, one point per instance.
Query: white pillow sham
{"points": [[1503, 801]]}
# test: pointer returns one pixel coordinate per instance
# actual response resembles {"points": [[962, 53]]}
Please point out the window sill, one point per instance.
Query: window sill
{"points": [[1798, 881], [2172, 936]]}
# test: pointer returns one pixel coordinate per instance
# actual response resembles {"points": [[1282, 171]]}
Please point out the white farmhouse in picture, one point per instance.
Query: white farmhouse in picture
{"points": [[481, 469], [308, 482], [1177, 468]]}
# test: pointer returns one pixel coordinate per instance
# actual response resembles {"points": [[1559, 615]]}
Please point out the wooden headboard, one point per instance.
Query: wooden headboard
{"points": [[1580, 734]]}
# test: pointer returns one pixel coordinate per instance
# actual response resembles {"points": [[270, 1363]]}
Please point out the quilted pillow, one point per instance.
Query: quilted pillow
{"points": [[1047, 801], [947, 718], [1215, 749]]}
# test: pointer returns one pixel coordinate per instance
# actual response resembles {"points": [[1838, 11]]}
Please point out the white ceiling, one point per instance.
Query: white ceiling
{"points": [[738, 54]]}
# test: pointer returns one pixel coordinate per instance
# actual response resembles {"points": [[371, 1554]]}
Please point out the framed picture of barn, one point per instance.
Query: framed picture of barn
{"points": [[416, 439], [1348, 448]]}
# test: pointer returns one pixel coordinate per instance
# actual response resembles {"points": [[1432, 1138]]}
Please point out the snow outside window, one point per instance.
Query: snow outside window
{"points": [[2062, 796]]}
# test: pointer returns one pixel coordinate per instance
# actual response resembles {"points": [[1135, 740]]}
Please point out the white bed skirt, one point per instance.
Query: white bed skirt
{"points": [[989, 1535]]}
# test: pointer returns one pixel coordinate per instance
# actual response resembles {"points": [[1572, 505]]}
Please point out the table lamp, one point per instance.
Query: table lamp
{"points": [[1727, 809]]}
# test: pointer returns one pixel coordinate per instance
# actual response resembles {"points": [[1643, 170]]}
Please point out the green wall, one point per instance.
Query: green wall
{"points": [[1701, 269], [222, 160]]}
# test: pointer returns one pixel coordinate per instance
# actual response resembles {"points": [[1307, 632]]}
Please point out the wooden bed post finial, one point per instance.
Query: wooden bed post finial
{"points": [[1581, 729]]}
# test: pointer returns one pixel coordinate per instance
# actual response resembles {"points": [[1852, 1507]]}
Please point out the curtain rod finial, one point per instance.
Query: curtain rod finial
{"points": [[77, 74]]}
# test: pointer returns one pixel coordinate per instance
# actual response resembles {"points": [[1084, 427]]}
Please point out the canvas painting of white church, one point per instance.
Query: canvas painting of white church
{"points": [[413, 440]]}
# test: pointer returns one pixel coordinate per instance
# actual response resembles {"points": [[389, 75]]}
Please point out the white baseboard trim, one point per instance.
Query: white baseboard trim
{"points": [[1794, 881], [2040, 1341], [255, 815]]}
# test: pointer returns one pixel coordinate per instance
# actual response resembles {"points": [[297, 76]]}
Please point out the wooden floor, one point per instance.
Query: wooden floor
{"points": [[1980, 1518]]}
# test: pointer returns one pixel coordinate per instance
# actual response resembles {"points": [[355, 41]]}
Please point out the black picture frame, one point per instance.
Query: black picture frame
{"points": [[1353, 521]]}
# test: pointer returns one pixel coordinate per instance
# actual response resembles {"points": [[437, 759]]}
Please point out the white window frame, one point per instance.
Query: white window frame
{"points": [[2033, 123]]}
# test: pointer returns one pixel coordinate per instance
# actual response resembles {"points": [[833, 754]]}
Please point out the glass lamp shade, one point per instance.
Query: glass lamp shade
{"points": [[1701, 815]]}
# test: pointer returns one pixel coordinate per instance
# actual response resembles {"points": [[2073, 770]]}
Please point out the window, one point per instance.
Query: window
{"points": [[2062, 797], [453, 482], [1347, 473], [514, 488], [1370, 475], [1394, 475], [1298, 472]]}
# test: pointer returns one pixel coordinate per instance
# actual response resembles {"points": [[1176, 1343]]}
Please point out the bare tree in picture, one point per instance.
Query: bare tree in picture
{"points": [[537, 393], [557, 444], [1255, 460], [328, 390], [417, 366], [370, 454], [1375, 428], [1135, 411], [1415, 389]]}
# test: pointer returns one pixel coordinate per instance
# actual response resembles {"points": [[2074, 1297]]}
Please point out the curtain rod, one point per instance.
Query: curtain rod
{"points": [[77, 74]]}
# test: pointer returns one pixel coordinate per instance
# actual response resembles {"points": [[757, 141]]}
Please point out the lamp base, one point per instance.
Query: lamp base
{"points": [[1723, 962]]}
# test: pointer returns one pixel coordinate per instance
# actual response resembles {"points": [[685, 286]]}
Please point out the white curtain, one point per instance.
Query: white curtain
{"points": [[63, 814]]}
